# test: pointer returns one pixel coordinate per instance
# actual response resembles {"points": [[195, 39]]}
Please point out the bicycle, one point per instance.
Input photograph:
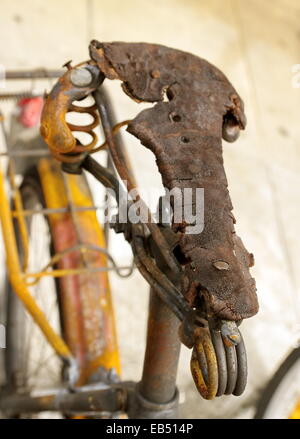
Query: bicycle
{"points": [[201, 319]]}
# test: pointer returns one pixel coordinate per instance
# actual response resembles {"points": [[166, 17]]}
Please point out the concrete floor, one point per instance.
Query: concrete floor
{"points": [[256, 44]]}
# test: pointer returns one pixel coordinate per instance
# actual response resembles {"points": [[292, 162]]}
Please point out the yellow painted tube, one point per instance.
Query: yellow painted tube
{"points": [[20, 218]]}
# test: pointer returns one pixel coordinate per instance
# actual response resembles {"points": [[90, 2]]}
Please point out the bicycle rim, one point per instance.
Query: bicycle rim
{"points": [[281, 398]]}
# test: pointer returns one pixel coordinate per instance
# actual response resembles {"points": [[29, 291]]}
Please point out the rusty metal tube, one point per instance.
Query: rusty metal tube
{"points": [[33, 74], [158, 382], [116, 146]]}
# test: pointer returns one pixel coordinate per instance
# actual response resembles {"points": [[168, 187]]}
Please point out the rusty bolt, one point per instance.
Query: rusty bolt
{"points": [[251, 262], [68, 64], [81, 77], [155, 74], [230, 333], [221, 265], [230, 131]]}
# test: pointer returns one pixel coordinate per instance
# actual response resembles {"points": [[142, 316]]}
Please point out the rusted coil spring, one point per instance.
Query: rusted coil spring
{"points": [[217, 367], [76, 154], [79, 152]]}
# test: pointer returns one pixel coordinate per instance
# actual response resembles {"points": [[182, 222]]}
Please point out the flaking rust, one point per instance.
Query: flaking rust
{"points": [[195, 107]]}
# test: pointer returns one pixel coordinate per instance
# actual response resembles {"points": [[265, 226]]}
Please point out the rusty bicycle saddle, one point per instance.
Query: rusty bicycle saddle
{"points": [[185, 135], [195, 106]]}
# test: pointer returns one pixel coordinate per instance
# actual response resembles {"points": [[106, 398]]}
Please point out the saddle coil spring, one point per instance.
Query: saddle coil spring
{"points": [[218, 364], [76, 154]]}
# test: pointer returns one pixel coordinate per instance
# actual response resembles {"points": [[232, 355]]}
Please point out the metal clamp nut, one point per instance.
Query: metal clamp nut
{"points": [[81, 77]]}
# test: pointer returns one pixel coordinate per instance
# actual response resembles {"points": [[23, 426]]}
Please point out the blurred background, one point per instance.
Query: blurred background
{"points": [[256, 44]]}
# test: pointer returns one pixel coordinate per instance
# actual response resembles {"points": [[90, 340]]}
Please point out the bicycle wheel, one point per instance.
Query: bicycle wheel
{"points": [[281, 398], [31, 365], [79, 306]]}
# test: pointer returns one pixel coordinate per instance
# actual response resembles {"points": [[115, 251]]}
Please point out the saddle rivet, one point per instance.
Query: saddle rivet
{"points": [[221, 265]]}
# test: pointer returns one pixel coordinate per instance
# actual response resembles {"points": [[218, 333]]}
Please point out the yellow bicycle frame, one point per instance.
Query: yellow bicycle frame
{"points": [[89, 336]]}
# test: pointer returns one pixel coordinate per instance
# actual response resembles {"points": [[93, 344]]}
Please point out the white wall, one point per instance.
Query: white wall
{"points": [[256, 44]]}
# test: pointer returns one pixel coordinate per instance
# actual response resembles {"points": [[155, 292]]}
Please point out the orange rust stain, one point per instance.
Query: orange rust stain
{"points": [[89, 326]]}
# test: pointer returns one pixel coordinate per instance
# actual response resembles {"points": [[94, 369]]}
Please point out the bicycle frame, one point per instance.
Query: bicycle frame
{"points": [[17, 276]]}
